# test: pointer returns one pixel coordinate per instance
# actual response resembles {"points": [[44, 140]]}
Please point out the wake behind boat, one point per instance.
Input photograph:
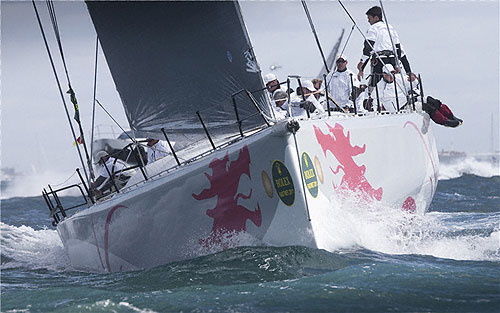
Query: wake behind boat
{"points": [[238, 170]]}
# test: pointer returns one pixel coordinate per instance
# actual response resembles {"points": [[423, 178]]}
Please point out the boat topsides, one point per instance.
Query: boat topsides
{"points": [[270, 186]]}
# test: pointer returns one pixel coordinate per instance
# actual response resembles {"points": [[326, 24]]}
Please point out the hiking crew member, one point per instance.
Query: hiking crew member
{"points": [[299, 106], [387, 87], [157, 149], [440, 113], [115, 167], [272, 84], [280, 104]]}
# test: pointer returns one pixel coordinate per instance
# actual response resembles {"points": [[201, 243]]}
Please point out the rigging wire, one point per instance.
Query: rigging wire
{"points": [[64, 182], [341, 52], [347, 40], [118, 124], [315, 34], [59, 87], [53, 19], [55, 25], [393, 47]]}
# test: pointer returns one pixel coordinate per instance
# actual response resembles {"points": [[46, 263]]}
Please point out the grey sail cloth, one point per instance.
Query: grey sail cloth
{"points": [[170, 59], [332, 57]]}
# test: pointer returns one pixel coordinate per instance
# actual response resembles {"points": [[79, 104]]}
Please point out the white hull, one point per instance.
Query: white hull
{"points": [[246, 189]]}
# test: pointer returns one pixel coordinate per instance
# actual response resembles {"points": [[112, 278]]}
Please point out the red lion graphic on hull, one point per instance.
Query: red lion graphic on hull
{"points": [[354, 176], [229, 217]]}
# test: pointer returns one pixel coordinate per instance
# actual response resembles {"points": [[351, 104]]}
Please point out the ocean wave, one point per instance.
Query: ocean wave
{"points": [[25, 247], [484, 167]]}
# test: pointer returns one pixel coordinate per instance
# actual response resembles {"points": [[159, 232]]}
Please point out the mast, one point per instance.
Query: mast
{"points": [[492, 135]]}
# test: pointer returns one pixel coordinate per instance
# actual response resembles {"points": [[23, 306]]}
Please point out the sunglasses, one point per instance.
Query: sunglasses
{"points": [[340, 61]]}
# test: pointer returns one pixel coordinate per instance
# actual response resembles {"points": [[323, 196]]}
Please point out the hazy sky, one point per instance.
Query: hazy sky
{"points": [[453, 44]]}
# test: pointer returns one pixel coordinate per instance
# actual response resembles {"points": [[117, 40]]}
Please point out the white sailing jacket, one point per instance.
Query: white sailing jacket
{"points": [[297, 111], [339, 86], [387, 94], [280, 112], [379, 34], [157, 151], [113, 167]]}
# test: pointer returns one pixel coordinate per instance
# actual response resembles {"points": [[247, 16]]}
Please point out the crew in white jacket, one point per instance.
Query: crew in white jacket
{"points": [[108, 165], [272, 84], [387, 90], [157, 149], [339, 84], [298, 106], [378, 45]]}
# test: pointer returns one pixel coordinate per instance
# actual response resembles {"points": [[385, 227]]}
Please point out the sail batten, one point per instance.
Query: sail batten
{"points": [[171, 59]]}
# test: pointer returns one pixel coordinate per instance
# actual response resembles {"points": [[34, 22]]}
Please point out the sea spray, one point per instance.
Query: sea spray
{"points": [[26, 247], [389, 230], [470, 165], [31, 184]]}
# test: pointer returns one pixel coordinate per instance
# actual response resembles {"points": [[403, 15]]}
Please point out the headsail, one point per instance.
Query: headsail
{"points": [[170, 59], [331, 57]]}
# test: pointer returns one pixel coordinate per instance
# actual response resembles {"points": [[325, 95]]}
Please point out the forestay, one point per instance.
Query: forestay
{"points": [[170, 59]]}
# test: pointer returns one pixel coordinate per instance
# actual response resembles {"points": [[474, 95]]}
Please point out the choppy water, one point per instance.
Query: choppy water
{"points": [[449, 261]]}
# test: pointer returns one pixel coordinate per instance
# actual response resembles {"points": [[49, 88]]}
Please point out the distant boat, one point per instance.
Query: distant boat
{"points": [[491, 157], [188, 69], [450, 156]]}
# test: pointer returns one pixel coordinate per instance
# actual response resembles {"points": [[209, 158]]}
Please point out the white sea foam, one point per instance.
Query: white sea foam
{"points": [[393, 231], [113, 306], [222, 242], [26, 247], [485, 167]]}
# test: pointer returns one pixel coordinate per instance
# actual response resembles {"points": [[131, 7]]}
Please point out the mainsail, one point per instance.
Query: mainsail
{"points": [[170, 59]]}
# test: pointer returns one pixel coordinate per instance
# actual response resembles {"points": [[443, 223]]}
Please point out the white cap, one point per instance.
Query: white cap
{"points": [[342, 56], [99, 155], [388, 68], [269, 78], [279, 95], [309, 85]]}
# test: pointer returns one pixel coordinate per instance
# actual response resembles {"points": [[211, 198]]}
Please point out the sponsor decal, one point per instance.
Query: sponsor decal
{"points": [[283, 183], [266, 182], [309, 175], [354, 175], [319, 169], [229, 216]]}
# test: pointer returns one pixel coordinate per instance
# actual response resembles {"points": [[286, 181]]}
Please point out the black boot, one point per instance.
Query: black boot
{"points": [[452, 123]]}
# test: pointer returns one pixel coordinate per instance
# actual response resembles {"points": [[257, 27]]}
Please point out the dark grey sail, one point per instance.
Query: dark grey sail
{"points": [[170, 59], [331, 57]]}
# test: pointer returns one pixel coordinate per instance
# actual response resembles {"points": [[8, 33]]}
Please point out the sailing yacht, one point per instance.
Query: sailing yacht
{"points": [[186, 71]]}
